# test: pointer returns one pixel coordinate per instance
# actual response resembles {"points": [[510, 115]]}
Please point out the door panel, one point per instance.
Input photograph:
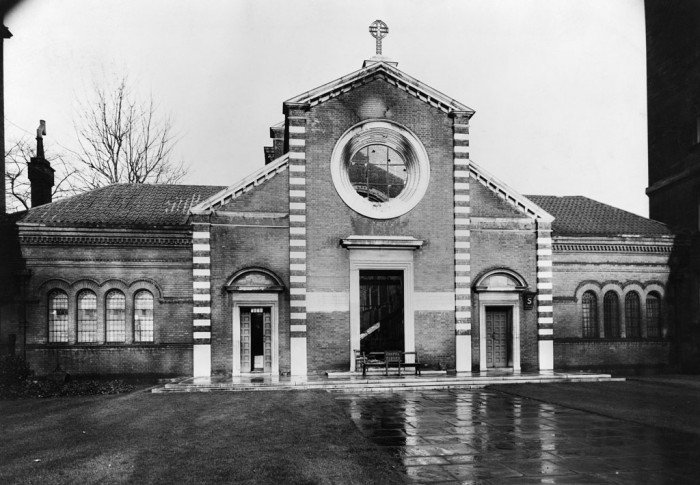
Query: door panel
{"points": [[267, 321], [498, 336], [245, 340]]}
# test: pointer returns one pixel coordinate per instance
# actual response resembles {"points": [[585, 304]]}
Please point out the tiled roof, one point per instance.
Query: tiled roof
{"points": [[124, 205], [581, 216]]}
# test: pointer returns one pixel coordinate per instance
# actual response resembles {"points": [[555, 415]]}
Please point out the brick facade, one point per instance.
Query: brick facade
{"points": [[287, 243]]}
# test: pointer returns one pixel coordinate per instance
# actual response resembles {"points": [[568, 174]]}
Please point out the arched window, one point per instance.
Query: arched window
{"points": [[115, 316], [653, 315], [143, 316], [611, 315], [87, 316], [589, 315], [58, 316], [633, 315]]}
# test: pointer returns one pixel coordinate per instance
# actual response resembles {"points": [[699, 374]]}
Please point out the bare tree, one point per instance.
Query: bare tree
{"points": [[122, 140], [18, 190]]}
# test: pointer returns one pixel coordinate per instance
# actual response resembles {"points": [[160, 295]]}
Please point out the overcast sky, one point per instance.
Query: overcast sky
{"points": [[558, 86]]}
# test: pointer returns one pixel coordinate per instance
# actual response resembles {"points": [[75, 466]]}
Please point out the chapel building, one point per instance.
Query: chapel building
{"points": [[368, 229]]}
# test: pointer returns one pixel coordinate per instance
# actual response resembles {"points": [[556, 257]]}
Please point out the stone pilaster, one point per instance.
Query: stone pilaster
{"points": [[201, 296], [545, 315], [462, 248], [296, 126]]}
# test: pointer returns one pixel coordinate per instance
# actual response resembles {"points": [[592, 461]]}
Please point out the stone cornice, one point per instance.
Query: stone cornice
{"points": [[622, 244], [381, 242], [93, 240], [610, 248]]}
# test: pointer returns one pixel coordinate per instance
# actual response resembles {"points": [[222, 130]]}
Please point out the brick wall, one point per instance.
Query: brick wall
{"points": [[161, 360], [249, 232], [610, 355], [132, 265], [577, 271]]}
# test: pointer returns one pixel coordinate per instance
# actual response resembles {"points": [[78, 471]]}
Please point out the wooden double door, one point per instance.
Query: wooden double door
{"points": [[499, 337], [256, 339]]}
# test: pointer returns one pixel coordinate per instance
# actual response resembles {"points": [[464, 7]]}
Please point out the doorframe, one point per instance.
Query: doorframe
{"points": [[255, 300], [381, 259], [509, 300]]}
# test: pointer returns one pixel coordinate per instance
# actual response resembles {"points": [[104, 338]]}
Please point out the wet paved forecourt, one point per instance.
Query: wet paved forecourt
{"points": [[484, 436]]}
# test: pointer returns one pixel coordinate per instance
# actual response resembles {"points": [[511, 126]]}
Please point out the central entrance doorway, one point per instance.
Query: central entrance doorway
{"points": [[381, 310], [256, 339], [499, 335]]}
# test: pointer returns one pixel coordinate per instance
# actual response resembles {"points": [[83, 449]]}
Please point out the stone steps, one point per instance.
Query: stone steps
{"points": [[376, 384]]}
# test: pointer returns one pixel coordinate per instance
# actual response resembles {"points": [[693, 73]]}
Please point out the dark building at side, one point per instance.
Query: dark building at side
{"points": [[673, 77]]}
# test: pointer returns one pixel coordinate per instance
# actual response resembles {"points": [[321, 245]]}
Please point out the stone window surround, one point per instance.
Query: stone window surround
{"points": [[396, 137]]}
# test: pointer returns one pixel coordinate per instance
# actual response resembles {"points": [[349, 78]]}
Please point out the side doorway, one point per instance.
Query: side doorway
{"points": [[256, 339], [499, 337]]}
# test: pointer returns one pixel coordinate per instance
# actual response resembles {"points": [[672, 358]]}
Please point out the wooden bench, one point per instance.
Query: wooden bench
{"points": [[388, 358]]}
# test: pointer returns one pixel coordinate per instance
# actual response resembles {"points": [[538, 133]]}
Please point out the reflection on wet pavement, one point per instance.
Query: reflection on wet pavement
{"points": [[487, 437]]}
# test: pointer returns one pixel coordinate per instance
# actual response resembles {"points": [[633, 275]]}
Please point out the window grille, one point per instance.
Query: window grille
{"points": [[87, 316], [143, 317], [58, 316], [653, 315], [611, 315], [378, 173], [115, 316], [633, 315], [589, 315]]}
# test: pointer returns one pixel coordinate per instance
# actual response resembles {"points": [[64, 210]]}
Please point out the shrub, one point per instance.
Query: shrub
{"points": [[14, 370], [52, 388]]}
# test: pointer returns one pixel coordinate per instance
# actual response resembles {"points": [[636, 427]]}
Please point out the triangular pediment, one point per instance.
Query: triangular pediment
{"points": [[249, 183], [506, 193], [388, 73]]}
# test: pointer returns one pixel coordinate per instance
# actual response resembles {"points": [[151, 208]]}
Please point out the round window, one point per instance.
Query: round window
{"points": [[380, 169]]}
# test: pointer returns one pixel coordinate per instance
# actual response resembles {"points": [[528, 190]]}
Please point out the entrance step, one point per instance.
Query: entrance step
{"points": [[352, 382]]}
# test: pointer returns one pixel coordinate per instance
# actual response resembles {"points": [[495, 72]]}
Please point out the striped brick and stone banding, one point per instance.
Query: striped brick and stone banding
{"points": [[462, 254], [296, 118], [201, 298], [545, 315]]}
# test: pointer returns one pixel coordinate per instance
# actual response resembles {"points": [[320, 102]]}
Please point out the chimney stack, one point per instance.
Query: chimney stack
{"points": [[40, 171]]}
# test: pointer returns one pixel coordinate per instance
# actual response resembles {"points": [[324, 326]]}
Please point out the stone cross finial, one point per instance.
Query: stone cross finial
{"points": [[379, 30]]}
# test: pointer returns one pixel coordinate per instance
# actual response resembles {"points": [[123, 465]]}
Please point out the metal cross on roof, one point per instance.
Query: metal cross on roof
{"points": [[379, 30]]}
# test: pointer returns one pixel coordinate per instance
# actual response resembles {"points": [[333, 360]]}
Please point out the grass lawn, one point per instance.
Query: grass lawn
{"points": [[250, 437], [674, 407]]}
